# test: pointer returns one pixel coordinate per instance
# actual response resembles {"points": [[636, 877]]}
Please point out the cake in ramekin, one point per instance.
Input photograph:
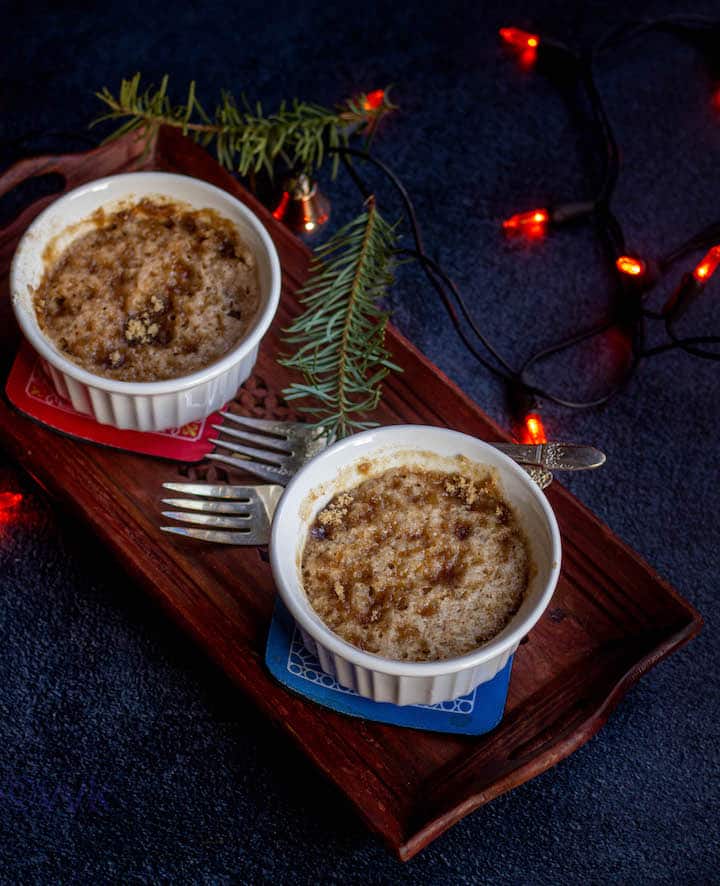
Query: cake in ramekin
{"points": [[128, 347], [155, 290], [461, 460], [416, 564]]}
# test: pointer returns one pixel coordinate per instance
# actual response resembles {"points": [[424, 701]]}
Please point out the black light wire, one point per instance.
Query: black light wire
{"points": [[689, 344], [437, 276], [686, 26], [432, 269], [609, 227], [672, 24], [612, 232]]}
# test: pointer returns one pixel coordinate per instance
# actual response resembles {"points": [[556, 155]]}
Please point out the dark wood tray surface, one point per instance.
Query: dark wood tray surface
{"points": [[612, 617]]}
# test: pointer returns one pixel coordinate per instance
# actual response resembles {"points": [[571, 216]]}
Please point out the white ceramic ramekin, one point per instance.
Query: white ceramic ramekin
{"points": [[335, 469], [142, 406]]}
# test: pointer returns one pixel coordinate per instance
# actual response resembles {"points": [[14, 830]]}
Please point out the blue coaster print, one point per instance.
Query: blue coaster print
{"points": [[290, 662]]}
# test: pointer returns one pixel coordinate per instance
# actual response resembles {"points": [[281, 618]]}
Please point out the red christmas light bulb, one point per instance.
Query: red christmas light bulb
{"points": [[534, 429], [708, 265], [519, 39], [633, 267], [527, 59], [374, 100], [531, 224], [9, 500]]}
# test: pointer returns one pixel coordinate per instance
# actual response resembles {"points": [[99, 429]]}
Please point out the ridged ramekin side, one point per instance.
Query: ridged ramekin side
{"points": [[401, 689], [153, 412]]}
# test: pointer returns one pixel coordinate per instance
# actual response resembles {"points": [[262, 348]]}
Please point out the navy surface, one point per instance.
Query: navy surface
{"points": [[125, 756]]}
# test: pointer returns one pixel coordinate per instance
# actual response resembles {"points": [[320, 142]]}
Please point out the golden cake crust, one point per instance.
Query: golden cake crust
{"points": [[417, 564], [155, 290]]}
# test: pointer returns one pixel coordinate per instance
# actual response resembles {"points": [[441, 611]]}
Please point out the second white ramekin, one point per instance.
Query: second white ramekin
{"points": [[335, 469], [142, 406]]}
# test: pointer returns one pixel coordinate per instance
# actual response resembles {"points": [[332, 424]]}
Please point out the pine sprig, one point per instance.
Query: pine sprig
{"points": [[339, 339], [246, 139]]}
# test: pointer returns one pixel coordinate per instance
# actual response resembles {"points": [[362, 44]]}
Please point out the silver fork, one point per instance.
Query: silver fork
{"points": [[242, 515], [285, 446], [234, 515]]}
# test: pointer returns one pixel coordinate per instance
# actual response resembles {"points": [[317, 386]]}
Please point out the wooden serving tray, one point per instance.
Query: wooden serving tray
{"points": [[612, 617]]}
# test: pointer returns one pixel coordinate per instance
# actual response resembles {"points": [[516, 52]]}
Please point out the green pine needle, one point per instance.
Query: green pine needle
{"points": [[339, 339], [246, 139]]}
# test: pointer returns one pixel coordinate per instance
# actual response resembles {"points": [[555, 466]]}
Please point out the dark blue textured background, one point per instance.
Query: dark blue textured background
{"points": [[124, 756]]}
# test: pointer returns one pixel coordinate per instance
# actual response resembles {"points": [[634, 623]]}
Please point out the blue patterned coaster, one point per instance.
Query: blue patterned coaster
{"points": [[291, 663]]}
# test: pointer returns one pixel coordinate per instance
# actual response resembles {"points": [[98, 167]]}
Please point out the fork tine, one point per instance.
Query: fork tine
{"points": [[273, 458], [261, 424], [214, 490], [212, 507], [223, 538], [209, 519], [266, 472], [263, 440]]}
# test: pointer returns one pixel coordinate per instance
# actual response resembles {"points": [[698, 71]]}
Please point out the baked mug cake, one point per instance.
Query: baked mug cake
{"points": [[416, 564], [146, 296], [413, 560], [155, 290]]}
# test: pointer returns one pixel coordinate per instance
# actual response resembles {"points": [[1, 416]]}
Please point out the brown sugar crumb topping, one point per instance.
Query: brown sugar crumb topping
{"points": [[116, 359], [461, 487], [154, 290], [334, 513], [415, 564], [142, 329]]}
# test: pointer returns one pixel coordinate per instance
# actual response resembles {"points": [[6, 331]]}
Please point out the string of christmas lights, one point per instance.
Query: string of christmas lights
{"points": [[634, 276]]}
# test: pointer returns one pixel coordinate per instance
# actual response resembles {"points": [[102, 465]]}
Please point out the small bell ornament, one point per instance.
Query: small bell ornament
{"points": [[302, 207]]}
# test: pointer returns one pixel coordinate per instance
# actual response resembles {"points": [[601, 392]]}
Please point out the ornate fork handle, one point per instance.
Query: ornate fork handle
{"points": [[555, 456]]}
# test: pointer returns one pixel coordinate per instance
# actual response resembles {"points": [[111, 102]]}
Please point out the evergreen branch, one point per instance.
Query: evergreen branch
{"points": [[339, 339], [246, 139]]}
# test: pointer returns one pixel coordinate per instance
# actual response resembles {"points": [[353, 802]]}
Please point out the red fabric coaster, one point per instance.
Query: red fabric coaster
{"points": [[30, 390]]}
